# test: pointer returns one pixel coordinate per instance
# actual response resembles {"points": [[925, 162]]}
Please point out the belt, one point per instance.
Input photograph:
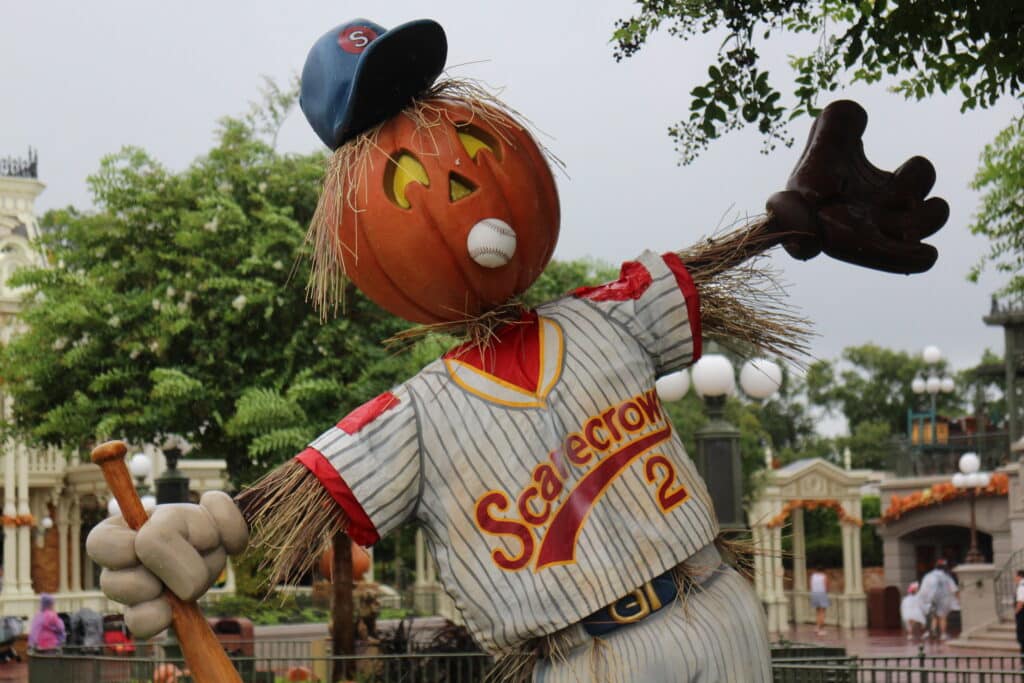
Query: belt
{"points": [[642, 602]]}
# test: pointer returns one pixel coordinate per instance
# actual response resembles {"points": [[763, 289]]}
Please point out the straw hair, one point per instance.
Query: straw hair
{"points": [[742, 301], [349, 167], [292, 520]]}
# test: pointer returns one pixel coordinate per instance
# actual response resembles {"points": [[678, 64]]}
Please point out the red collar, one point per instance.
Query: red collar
{"points": [[518, 367]]}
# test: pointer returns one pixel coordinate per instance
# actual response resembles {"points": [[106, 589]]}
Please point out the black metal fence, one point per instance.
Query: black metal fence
{"points": [[908, 459], [148, 664], [919, 668], [276, 661]]}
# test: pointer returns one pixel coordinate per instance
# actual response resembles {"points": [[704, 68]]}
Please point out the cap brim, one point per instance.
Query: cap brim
{"points": [[401, 64]]}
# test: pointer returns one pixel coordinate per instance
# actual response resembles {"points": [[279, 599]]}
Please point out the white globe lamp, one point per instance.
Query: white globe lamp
{"points": [[673, 386], [47, 522], [970, 479], [947, 385], [969, 463], [760, 378], [713, 376], [148, 501], [933, 384], [918, 386], [113, 509], [140, 466], [931, 355]]}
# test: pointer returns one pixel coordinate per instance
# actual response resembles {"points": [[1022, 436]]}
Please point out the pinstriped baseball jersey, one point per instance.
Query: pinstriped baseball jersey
{"points": [[546, 474]]}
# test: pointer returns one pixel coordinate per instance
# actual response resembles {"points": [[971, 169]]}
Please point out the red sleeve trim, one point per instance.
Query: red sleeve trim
{"points": [[632, 283], [692, 297], [367, 413], [360, 528]]}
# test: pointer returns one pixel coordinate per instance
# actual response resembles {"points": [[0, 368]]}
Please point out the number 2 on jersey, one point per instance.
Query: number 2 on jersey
{"points": [[670, 493]]}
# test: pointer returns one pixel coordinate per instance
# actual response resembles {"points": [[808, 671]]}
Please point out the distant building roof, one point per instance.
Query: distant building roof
{"points": [[797, 465], [16, 167]]}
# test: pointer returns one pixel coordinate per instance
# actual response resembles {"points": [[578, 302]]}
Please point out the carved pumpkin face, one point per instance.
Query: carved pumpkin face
{"points": [[450, 219]]}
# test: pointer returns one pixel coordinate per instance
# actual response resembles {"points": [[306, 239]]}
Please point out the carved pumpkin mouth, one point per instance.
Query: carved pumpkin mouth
{"points": [[491, 243]]}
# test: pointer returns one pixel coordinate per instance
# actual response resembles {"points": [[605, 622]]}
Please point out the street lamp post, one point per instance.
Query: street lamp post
{"points": [[172, 484], [932, 385], [718, 441], [970, 479]]}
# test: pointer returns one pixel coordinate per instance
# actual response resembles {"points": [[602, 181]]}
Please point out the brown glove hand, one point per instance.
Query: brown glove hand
{"points": [[836, 201]]}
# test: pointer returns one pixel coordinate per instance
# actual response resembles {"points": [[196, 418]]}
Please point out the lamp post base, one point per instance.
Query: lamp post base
{"points": [[974, 556]]}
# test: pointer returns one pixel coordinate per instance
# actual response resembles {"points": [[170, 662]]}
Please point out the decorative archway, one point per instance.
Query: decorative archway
{"points": [[787, 492]]}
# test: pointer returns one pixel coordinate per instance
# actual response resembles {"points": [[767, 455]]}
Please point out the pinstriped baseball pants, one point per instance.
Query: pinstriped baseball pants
{"points": [[718, 636]]}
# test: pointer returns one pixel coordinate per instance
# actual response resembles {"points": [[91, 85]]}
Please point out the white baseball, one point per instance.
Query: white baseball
{"points": [[491, 243]]}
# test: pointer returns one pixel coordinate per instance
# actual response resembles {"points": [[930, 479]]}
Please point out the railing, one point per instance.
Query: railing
{"points": [[1005, 584], [49, 460], [918, 668], [404, 668], [915, 460], [291, 660]]}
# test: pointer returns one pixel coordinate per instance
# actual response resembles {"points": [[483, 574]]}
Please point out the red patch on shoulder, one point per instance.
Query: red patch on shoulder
{"points": [[632, 283], [367, 413]]}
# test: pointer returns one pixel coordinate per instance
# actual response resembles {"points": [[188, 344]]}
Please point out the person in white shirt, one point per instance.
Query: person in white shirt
{"points": [[911, 612], [819, 598]]}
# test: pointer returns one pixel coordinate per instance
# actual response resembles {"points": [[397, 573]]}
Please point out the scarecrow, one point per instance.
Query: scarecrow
{"points": [[568, 524]]}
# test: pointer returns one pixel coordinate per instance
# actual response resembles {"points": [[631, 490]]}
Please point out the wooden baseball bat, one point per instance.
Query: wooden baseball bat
{"points": [[204, 654]]}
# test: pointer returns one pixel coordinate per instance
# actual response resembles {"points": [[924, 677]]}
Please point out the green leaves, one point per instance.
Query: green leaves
{"points": [[972, 46], [1000, 219], [174, 385], [174, 298]]}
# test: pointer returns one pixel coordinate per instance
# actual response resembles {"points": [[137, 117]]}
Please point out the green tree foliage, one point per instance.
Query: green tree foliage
{"points": [[178, 306], [1000, 219], [824, 541], [873, 386], [974, 47]]}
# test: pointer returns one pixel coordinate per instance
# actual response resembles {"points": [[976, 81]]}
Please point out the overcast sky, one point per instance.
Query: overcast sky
{"points": [[80, 79]]}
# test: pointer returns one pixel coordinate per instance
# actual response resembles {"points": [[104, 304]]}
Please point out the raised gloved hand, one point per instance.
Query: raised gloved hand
{"points": [[836, 201], [182, 547]]}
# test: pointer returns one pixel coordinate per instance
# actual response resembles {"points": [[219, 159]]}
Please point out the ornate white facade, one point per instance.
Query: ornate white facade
{"points": [[820, 483]]}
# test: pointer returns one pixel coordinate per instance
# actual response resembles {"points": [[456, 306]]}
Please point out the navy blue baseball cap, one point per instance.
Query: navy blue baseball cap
{"points": [[360, 74]]}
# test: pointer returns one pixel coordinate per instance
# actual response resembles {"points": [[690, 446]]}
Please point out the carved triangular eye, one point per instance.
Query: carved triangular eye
{"points": [[459, 187], [474, 139], [403, 168]]}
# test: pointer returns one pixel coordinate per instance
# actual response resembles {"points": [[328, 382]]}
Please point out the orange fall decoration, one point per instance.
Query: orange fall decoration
{"points": [[844, 518], [944, 492]]}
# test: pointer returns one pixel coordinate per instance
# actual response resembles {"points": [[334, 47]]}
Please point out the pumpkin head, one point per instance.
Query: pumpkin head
{"points": [[433, 185]]}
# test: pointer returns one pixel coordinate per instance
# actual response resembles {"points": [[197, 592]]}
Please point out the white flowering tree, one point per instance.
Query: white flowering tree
{"points": [[178, 306]]}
